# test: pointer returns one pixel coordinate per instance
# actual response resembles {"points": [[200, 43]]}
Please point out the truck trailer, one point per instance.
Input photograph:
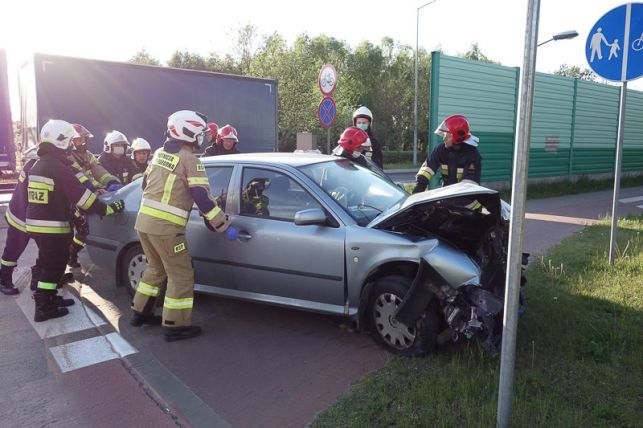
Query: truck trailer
{"points": [[137, 99]]}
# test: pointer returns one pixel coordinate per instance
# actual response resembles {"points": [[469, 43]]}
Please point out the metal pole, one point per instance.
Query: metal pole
{"points": [[328, 140], [415, 108], [617, 171], [516, 232]]}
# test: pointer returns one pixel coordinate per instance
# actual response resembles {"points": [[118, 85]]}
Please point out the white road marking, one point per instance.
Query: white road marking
{"points": [[561, 219], [87, 352], [630, 200], [76, 320]]}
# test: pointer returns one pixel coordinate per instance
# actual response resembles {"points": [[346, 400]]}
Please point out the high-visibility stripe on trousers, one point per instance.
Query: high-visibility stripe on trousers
{"points": [[168, 259]]}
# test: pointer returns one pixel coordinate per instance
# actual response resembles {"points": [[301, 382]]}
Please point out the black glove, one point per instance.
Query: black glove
{"points": [[80, 223], [115, 207]]}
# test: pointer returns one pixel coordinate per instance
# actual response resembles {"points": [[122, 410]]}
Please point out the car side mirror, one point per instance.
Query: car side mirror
{"points": [[310, 216]]}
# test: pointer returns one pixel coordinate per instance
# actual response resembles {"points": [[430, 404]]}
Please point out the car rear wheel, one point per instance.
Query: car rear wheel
{"points": [[133, 264], [410, 341]]}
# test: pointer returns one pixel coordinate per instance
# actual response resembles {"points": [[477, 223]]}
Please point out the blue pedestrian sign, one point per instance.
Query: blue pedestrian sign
{"points": [[326, 112], [614, 47]]}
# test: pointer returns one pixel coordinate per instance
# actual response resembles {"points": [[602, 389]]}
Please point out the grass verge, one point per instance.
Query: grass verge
{"points": [[579, 352]]}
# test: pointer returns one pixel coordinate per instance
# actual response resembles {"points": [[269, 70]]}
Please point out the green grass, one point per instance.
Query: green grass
{"points": [[579, 353]]}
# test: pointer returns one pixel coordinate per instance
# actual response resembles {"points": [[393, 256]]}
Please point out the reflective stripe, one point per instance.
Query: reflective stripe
{"points": [[165, 207], [40, 185], [163, 215], [198, 181], [86, 200], [78, 242], [475, 205], [47, 285], [147, 289], [165, 160], [426, 172], [41, 179], [212, 213], [46, 226], [22, 177], [167, 189], [104, 176], [15, 221], [4, 262], [444, 169], [81, 177], [171, 303]]}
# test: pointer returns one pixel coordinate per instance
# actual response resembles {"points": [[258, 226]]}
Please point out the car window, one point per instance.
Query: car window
{"points": [[274, 195], [219, 178]]}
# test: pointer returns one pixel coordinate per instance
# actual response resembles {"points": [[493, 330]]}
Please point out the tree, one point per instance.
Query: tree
{"points": [[244, 47], [474, 53], [185, 59], [575, 72], [143, 57]]}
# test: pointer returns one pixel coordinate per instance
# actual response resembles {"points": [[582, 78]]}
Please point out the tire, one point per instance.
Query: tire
{"points": [[133, 263], [386, 296]]}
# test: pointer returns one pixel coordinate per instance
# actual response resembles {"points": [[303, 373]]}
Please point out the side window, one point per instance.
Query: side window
{"points": [[271, 194], [219, 178]]}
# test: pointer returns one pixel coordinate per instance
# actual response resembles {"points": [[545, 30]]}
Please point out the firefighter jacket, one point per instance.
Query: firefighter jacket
{"points": [[52, 190], [136, 170], [464, 163], [217, 150], [98, 176], [173, 182], [17, 209], [377, 156], [118, 167]]}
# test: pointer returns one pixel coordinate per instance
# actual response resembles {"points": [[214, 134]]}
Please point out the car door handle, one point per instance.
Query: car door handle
{"points": [[244, 236]]}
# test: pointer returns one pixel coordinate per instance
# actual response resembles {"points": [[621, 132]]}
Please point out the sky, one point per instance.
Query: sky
{"points": [[117, 29]]}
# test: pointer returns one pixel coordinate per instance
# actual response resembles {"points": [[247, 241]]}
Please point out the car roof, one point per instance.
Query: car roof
{"points": [[275, 158]]}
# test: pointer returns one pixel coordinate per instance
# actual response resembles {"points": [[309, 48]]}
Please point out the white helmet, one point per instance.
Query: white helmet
{"points": [[139, 144], [114, 137], [31, 153], [58, 132], [362, 112], [187, 125]]}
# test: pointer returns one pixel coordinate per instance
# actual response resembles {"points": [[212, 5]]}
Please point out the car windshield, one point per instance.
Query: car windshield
{"points": [[363, 193]]}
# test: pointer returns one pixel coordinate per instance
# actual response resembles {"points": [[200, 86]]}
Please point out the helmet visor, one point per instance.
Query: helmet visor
{"points": [[442, 130]]}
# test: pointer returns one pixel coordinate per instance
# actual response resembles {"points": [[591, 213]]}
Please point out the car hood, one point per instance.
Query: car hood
{"points": [[404, 210]]}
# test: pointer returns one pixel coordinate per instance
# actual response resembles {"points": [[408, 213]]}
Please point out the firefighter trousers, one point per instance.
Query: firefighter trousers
{"points": [[167, 258], [15, 245], [53, 253]]}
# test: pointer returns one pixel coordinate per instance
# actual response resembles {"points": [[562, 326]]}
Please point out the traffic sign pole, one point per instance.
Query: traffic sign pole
{"points": [[617, 174]]}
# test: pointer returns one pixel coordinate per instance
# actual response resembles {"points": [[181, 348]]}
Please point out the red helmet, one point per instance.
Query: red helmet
{"points": [[228, 131], [353, 139], [456, 125], [82, 131], [213, 131]]}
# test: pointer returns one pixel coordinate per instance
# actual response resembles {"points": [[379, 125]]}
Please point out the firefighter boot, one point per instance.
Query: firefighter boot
{"points": [[46, 308], [180, 333], [139, 318], [61, 301], [73, 256], [6, 281]]}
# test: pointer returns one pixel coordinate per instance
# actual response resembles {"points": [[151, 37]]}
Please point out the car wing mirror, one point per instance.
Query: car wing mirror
{"points": [[310, 216]]}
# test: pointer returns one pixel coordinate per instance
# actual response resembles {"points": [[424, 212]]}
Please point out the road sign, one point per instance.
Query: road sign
{"points": [[327, 79], [326, 112], [614, 47]]}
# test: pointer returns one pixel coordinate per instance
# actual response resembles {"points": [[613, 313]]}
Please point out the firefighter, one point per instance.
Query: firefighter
{"points": [[141, 150], [458, 158], [114, 158], [225, 143], [52, 186], [174, 181], [253, 201], [213, 139], [363, 119], [95, 177]]}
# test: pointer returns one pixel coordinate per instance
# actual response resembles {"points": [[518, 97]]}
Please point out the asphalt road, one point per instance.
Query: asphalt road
{"points": [[255, 365]]}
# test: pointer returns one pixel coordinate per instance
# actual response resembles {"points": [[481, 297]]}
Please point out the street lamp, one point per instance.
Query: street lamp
{"points": [[415, 110], [561, 36]]}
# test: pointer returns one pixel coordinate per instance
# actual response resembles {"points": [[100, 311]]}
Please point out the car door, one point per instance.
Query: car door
{"points": [[211, 251], [276, 257]]}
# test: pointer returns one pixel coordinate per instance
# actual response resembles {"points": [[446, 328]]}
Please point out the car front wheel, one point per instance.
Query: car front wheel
{"points": [[133, 264], [409, 341]]}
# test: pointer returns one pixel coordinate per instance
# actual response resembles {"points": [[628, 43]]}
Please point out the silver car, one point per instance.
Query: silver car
{"points": [[322, 234]]}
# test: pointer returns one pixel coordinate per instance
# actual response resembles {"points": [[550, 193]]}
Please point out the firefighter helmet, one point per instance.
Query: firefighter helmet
{"points": [[112, 138], [228, 132], [362, 112], [188, 126], [353, 140], [82, 131], [139, 144], [213, 132], [58, 132], [458, 126]]}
